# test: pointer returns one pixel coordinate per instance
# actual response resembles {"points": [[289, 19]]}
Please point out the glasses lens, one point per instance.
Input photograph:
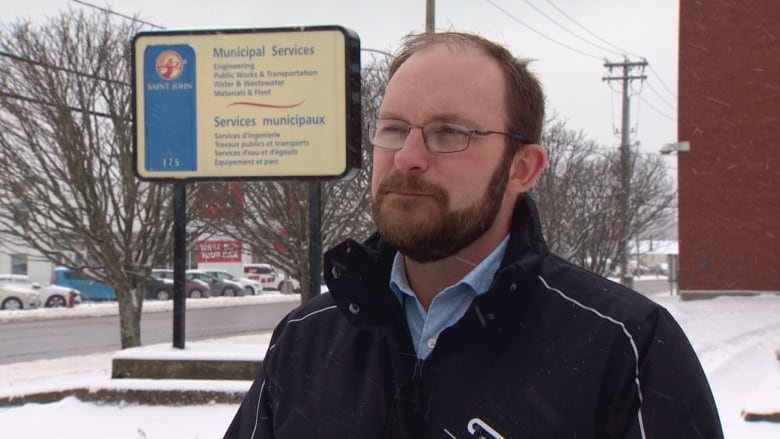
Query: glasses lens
{"points": [[446, 137], [390, 133]]}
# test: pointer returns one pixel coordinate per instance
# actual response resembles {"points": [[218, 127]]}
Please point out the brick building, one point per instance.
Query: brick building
{"points": [[729, 111]]}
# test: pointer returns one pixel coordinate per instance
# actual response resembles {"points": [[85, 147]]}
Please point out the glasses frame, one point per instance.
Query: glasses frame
{"points": [[471, 131]]}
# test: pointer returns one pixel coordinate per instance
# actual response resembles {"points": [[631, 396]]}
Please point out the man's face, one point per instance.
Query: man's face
{"points": [[445, 230], [431, 205]]}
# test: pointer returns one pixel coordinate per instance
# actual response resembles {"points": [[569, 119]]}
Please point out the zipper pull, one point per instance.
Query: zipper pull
{"points": [[479, 429], [417, 375]]}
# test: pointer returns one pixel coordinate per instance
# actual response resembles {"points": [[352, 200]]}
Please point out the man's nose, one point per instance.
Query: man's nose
{"points": [[413, 155]]}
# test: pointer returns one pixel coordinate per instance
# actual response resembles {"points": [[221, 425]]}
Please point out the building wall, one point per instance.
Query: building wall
{"points": [[729, 111], [37, 268]]}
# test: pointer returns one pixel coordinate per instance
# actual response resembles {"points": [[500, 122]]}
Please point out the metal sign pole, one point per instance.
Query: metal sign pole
{"points": [[179, 261], [315, 240]]}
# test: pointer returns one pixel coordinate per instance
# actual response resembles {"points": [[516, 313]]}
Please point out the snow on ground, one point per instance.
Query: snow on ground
{"points": [[735, 337], [96, 309]]}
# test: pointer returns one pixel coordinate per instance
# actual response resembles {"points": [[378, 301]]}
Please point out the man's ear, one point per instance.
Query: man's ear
{"points": [[527, 165]]}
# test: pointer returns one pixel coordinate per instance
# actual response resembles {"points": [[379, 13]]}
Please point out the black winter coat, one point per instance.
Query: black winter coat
{"points": [[550, 351]]}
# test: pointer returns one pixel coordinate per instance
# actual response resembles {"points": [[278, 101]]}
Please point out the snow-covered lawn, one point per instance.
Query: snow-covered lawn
{"points": [[735, 337]]}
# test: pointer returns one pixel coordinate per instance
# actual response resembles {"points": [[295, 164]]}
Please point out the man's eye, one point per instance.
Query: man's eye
{"points": [[392, 129], [450, 130]]}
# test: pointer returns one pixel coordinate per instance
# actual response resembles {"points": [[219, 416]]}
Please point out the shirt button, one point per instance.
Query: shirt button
{"points": [[431, 343]]}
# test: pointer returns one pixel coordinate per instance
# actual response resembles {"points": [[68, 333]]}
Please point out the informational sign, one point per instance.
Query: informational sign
{"points": [[247, 104], [219, 251]]}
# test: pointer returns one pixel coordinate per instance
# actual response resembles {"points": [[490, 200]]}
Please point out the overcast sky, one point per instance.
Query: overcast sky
{"points": [[570, 39]]}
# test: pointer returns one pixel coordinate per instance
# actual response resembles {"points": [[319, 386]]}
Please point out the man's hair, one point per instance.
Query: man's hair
{"points": [[524, 101]]}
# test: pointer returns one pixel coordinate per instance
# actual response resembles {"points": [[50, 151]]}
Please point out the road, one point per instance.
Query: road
{"points": [[55, 338], [651, 286]]}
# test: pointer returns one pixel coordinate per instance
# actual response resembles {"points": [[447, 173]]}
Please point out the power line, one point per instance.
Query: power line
{"points": [[112, 12], [657, 110], [532, 29], [618, 49], [570, 32], [127, 17], [635, 130], [668, 89], [562, 12], [621, 50], [38, 101], [670, 105], [64, 69]]}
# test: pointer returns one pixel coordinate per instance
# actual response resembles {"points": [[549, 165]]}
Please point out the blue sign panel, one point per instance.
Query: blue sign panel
{"points": [[169, 108]]}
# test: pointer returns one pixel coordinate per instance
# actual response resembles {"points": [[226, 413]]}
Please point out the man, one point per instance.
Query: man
{"points": [[454, 320]]}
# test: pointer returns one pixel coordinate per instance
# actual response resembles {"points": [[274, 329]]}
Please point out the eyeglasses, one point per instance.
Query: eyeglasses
{"points": [[441, 137]]}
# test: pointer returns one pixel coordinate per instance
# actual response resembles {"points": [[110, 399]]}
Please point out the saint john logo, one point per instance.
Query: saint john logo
{"points": [[170, 108], [169, 65]]}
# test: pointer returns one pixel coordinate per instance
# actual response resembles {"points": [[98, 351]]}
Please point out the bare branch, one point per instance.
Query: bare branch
{"points": [[66, 156]]}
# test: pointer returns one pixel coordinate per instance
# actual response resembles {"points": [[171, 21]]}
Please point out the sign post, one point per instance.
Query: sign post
{"points": [[244, 104], [179, 266]]}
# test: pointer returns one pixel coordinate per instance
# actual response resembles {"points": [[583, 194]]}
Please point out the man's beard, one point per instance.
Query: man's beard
{"points": [[445, 231]]}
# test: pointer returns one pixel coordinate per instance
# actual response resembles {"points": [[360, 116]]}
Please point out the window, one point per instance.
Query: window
{"points": [[75, 274], [192, 258], [18, 264]]}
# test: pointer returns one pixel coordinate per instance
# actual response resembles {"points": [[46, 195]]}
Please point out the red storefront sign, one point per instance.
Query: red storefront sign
{"points": [[219, 251]]}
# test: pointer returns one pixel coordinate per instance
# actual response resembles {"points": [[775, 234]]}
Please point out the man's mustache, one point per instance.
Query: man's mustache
{"points": [[395, 182]]}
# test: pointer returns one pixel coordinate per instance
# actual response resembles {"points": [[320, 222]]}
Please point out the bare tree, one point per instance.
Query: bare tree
{"points": [[578, 198], [66, 158], [274, 221]]}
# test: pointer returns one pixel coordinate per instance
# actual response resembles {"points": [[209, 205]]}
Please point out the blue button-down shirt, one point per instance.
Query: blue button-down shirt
{"points": [[448, 306]]}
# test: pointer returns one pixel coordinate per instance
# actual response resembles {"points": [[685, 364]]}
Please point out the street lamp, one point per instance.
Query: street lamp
{"points": [[669, 148], [673, 260]]}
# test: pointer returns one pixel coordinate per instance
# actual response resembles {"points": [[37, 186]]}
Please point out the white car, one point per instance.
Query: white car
{"points": [[51, 296], [251, 286], [271, 278], [14, 297]]}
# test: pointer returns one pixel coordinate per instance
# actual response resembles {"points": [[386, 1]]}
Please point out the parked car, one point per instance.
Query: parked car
{"points": [[193, 288], [87, 286], [271, 278], [218, 287], [294, 286], [637, 268], [52, 296], [15, 297], [251, 286], [158, 289]]}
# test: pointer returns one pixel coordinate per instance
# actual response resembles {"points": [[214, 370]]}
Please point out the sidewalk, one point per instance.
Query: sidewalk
{"points": [[88, 377]]}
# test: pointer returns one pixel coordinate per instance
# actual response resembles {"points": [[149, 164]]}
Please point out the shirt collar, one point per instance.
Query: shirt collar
{"points": [[478, 279]]}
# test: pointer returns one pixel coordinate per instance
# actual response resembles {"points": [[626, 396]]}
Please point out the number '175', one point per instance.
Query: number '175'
{"points": [[171, 162]]}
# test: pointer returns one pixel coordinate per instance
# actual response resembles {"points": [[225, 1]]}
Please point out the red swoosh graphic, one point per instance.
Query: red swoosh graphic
{"points": [[258, 104]]}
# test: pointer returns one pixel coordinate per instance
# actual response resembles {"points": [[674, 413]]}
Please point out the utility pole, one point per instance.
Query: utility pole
{"points": [[626, 74], [430, 16]]}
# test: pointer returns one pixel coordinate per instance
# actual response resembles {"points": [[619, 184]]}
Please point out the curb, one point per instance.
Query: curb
{"points": [[132, 396]]}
